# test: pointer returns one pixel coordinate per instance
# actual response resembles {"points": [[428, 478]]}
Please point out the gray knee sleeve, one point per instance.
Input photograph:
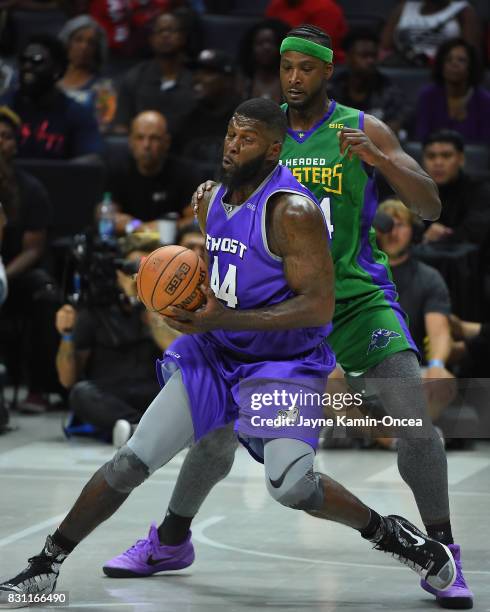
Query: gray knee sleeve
{"points": [[125, 471], [305, 494], [289, 474]]}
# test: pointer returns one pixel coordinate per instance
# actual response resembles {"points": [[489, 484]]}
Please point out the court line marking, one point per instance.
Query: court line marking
{"points": [[242, 483], [199, 536], [18, 535]]}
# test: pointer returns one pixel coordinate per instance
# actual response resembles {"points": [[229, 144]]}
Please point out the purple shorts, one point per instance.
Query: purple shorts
{"points": [[266, 399]]}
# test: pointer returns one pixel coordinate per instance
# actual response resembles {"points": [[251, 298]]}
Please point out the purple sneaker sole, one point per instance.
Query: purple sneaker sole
{"points": [[458, 596], [450, 599], [120, 572]]}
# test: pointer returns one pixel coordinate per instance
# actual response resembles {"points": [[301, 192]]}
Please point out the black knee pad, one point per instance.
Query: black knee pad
{"points": [[304, 494], [125, 471]]}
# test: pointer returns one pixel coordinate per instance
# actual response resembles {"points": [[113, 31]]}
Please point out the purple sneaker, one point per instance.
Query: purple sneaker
{"points": [[148, 557], [457, 597]]}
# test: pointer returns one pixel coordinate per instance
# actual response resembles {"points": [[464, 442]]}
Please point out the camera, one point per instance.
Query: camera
{"points": [[94, 261]]}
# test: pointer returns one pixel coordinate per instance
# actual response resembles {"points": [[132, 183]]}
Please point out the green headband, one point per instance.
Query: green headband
{"points": [[308, 47]]}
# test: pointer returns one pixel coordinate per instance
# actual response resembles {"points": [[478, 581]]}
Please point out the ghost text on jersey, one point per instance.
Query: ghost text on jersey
{"points": [[314, 170], [225, 245]]}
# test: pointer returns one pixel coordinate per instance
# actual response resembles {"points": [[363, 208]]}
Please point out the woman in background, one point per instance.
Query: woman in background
{"points": [[86, 44], [415, 30], [259, 60], [455, 100]]}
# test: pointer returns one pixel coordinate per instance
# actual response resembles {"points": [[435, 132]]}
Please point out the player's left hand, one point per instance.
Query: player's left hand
{"points": [[356, 142], [210, 316]]}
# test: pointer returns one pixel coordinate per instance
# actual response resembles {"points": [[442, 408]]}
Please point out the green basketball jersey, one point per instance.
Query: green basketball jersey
{"points": [[347, 193]]}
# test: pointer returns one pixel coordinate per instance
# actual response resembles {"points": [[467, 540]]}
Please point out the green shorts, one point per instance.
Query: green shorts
{"points": [[363, 337]]}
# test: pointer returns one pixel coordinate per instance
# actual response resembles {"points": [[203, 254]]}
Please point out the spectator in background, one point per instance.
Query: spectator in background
{"points": [[147, 184], [415, 30], [456, 100], [31, 293], [465, 215], [363, 86], [325, 14], [424, 296], [201, 136], [86, 45], [53, 125], [115, 17], [191, 237], [162, 83], [259, 60], [471, 348], [106, 359]]}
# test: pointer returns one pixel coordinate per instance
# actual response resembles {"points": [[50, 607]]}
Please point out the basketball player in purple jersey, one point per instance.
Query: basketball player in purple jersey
{"points": [[266, 319]]}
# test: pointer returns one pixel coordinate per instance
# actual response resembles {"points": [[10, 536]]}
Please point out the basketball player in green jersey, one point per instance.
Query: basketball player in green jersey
{"points": [[335, 151]]}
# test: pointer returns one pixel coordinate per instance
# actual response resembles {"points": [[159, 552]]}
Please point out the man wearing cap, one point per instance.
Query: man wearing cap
{"points": [[201, 137]]}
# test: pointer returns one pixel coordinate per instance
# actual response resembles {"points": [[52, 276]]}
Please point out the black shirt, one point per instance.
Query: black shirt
{"points": [[384, 100], [62, 129], [466, 209], [121, 345], [421, 289], [201, 137], [149, 197], [33, 214], [142, 89]]}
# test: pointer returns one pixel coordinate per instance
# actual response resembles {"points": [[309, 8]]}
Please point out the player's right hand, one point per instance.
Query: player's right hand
{"points": [[198, 194], [65, 319]]}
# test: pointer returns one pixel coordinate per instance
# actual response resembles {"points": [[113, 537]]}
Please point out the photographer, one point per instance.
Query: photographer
{"points": [[107, 358]]}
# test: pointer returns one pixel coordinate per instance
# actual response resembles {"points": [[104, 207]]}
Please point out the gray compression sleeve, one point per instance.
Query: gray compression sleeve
{"points": [[166, 427], [207, 462], [421, 460]]}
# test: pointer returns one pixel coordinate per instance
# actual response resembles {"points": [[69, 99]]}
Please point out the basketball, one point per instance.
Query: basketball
{"points": [[170, 276]]}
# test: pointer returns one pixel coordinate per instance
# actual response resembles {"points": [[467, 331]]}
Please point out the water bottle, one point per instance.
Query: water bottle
{"points": [[107, 218]]}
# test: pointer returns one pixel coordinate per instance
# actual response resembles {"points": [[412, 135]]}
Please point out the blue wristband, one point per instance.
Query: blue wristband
{"points": [[436, 363], [132, 225], [67, 337]]}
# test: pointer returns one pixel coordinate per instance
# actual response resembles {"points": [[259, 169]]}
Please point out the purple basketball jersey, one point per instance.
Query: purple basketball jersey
{"points": [[245, 274]]}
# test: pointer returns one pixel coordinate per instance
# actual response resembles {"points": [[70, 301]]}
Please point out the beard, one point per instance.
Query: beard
{"points": [[238, 176]]}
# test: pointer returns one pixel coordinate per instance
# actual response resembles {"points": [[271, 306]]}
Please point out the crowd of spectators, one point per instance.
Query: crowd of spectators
{"points": [[145, 88]]}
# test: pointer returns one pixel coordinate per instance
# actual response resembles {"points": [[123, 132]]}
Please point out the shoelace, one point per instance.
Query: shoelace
{"points": [[141, 545]]}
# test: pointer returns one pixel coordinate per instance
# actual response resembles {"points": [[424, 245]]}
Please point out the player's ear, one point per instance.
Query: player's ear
{"points": [[328, 70], [274, 151]]}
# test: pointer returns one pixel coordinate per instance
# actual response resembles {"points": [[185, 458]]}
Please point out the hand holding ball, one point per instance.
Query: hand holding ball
{"points": [[171, 276]]}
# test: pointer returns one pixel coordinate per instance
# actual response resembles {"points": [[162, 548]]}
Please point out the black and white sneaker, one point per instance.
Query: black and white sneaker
{"points": [[429, 558], [39, 577]]}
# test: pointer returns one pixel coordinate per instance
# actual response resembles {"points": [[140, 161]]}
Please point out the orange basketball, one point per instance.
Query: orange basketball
{"points": [[170, 276]]}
